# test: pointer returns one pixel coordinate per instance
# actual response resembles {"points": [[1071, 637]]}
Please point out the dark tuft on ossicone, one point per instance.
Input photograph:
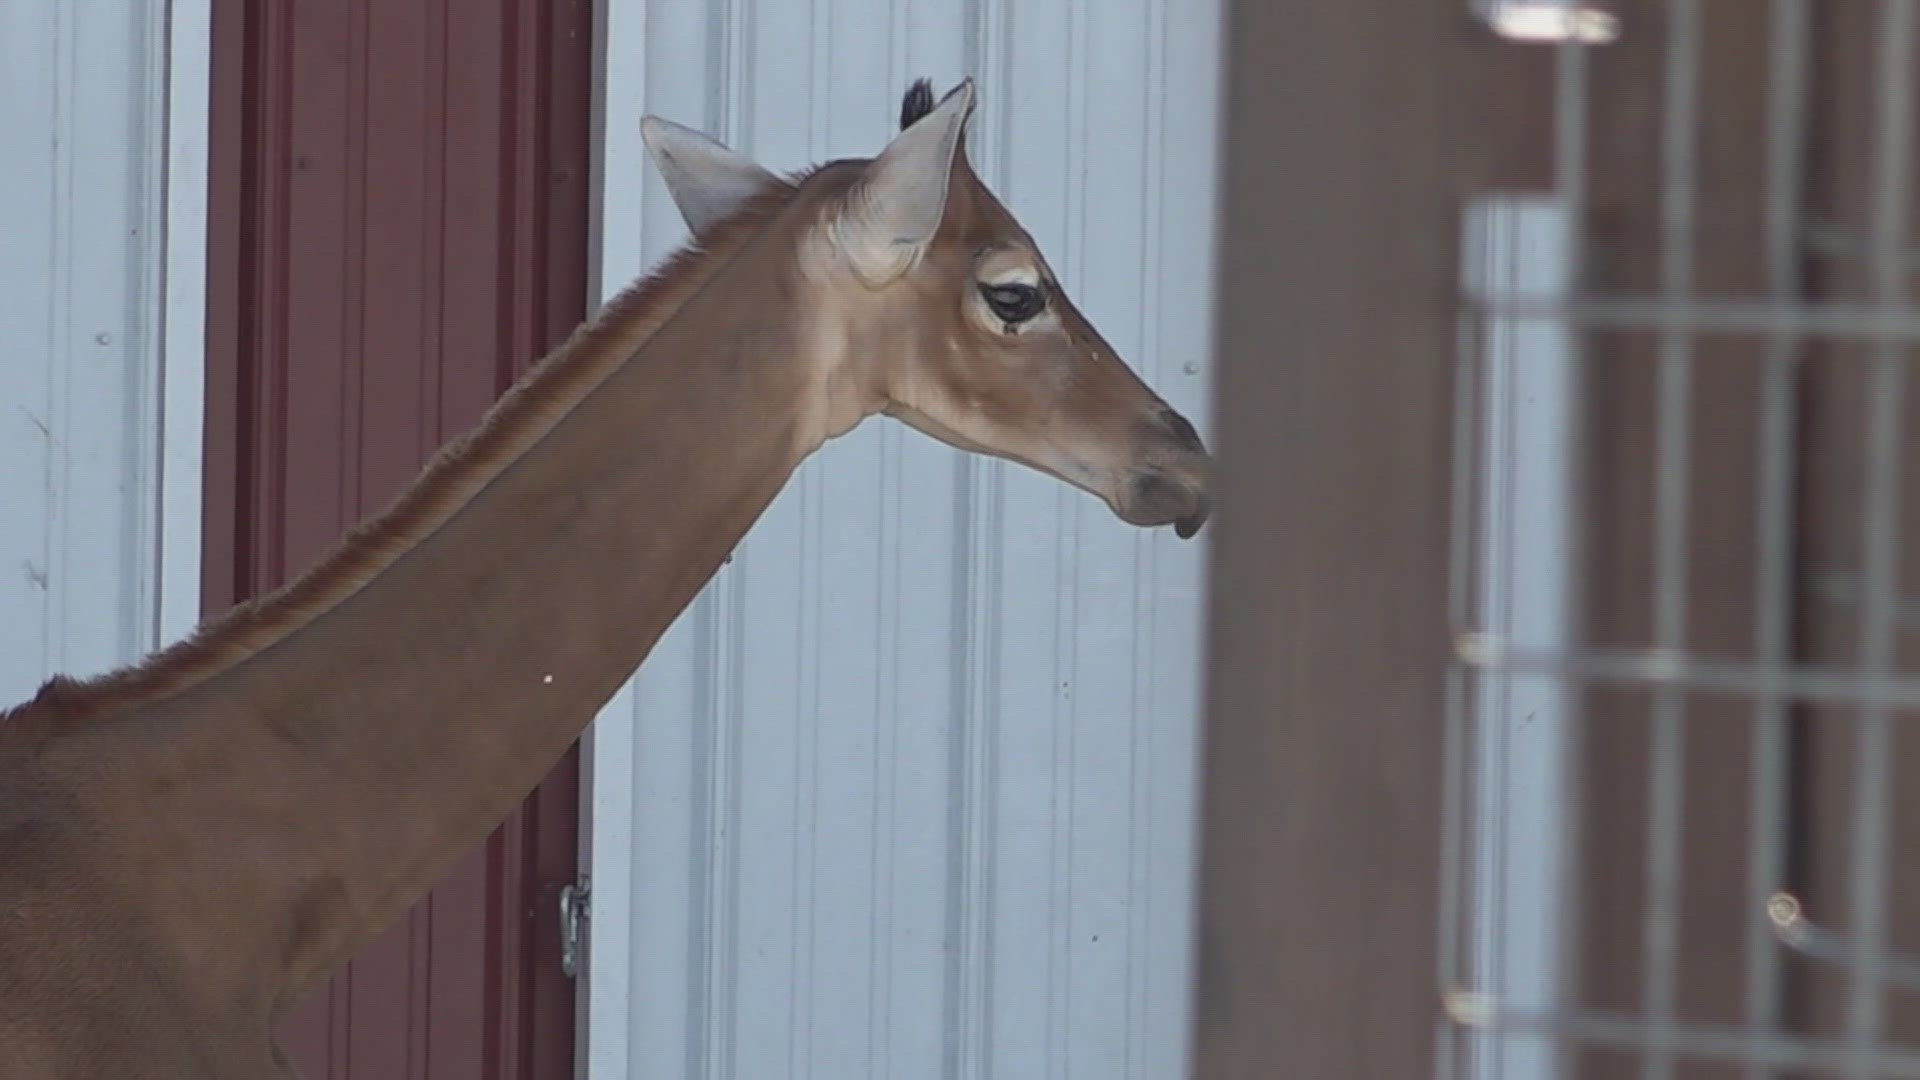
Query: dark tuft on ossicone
{"points": [[917, 103]]}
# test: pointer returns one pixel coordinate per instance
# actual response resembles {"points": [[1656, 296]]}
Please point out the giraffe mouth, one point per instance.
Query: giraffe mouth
{"points": [[1156, 497], [1188, 527]]}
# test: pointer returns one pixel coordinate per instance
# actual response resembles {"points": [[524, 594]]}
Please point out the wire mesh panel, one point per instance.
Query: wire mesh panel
{"points": [[1677, 841]]}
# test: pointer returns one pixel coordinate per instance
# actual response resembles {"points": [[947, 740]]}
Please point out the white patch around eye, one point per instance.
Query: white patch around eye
{"points": [[1017, 275]]}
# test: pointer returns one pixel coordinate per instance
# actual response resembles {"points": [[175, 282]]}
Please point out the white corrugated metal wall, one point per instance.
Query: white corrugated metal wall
{"points": [[102, 294], [910, 790]]}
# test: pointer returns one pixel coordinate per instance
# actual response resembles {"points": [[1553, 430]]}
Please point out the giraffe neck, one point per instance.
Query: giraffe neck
{"points": [[527, 411], [362, 754]]}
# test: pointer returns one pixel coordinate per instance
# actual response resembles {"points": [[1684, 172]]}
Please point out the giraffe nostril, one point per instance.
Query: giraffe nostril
{"points": [[1182, 431]]}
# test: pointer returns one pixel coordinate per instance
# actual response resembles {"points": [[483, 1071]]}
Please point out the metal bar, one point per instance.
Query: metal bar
{"points": [[1571, 166], [1892, 168], [1453, 862], [1698, 1042], [1653, 667], [1465, 845], [1660, 943], [1838, 321], [1843, 587], [1497, 701], [1829, 241], [1457, 781], [1459, 840], [1570, 137], [1767, 829]]}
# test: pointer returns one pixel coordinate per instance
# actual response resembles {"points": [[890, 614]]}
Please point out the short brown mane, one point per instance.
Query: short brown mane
{"points": [[453, 476]]}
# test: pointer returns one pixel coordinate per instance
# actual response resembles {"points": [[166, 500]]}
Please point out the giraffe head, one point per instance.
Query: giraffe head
{"points": [[929, 302]]}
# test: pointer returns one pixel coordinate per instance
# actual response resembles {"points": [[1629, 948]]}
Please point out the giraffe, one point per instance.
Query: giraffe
{"points": [[181, 861]]}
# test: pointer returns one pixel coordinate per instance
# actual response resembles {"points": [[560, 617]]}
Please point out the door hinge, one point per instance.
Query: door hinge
{"points": [[573, 926]]}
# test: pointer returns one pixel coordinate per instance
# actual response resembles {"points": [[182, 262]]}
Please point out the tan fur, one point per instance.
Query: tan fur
{"points": [[246, 811]]}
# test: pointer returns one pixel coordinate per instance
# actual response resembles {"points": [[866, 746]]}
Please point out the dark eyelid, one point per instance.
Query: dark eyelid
{"points": [[1028, 299]]}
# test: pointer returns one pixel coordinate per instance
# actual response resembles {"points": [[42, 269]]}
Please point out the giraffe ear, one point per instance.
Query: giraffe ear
{"points": [[708, 181], [894, 210]]}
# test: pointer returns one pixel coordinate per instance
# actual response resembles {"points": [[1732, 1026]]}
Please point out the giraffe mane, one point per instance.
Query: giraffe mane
{"points": [[455, 473]]}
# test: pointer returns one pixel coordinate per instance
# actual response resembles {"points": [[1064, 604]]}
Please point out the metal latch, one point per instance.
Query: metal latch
{"points": [[573, 926]]}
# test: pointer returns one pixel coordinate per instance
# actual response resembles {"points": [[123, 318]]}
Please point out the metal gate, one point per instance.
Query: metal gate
{"points": [[1676, 839]]}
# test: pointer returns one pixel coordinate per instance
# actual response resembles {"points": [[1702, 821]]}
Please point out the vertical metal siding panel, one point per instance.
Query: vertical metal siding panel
{"points": [[1041, 180], [311, 373], [1180, 269], [847, 518], [921, 694], [84, 171], [914, 696], [79, 274], [460, 243], [909, 790], [972, 826], [774, 105], [221, 561], [107, 419], [29, 320], [668, 720], [184, 385], [1096, 940], [394, 271]]}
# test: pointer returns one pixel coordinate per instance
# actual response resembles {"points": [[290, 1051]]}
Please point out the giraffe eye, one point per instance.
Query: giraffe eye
{"points": [[1014, 303]]}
